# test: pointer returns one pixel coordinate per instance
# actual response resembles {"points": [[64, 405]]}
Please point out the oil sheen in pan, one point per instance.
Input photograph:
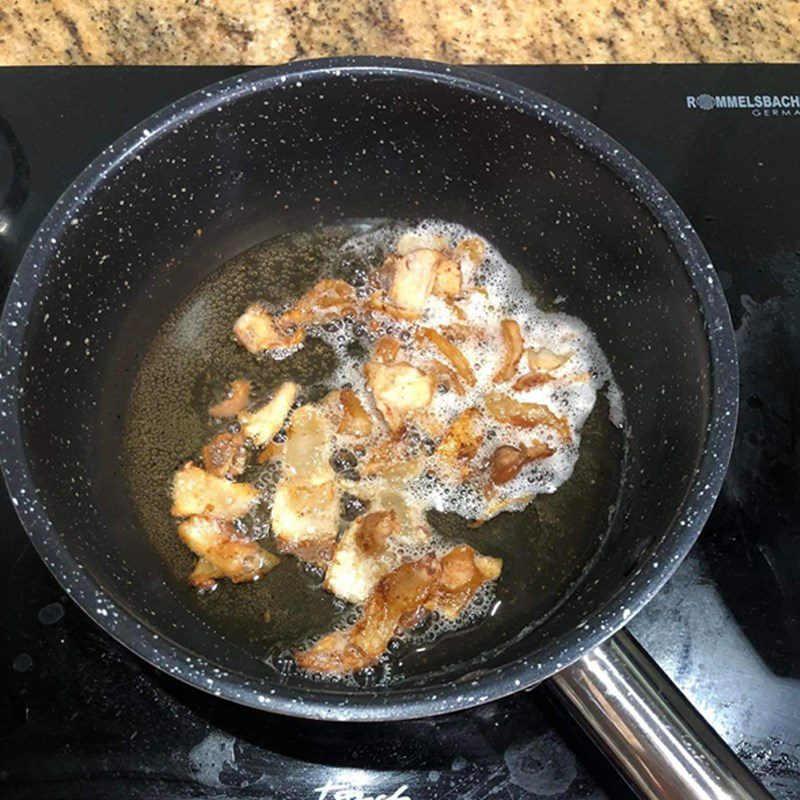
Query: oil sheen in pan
{"points": [[187, 367]]}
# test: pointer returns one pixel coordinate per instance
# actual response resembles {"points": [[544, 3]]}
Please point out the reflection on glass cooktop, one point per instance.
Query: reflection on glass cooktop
{"points": [[81, 717]]}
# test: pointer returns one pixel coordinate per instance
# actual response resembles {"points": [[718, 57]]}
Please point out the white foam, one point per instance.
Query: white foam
{"points": [[506, 298]]}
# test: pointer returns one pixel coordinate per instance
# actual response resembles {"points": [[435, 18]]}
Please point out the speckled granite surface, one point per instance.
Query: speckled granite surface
{"points": [[521, 31]]}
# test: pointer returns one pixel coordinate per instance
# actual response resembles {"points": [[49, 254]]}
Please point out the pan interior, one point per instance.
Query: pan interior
{"points": [[263, 158], [190, 362]]}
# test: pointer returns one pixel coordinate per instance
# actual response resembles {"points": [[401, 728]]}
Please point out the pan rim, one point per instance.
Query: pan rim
{"points": [[391, 704]]}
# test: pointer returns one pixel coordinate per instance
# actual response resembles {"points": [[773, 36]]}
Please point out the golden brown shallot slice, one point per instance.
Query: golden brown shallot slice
{"points": [[399, 390], [204, 575], [544, 359], [445, 376], [329, 300], [471, 250], [256, 331], [412, 278], [262, 424], [236, 400], [463, 572], [514, 344], [355, 419], [367, 550], [270, 452], [225, 455], [530, 380], [305, 508], [448, 281], [397, 598], [507, 461], [450, 352], [222, 553], [461, 442], [507, 410], [400, 600], [197, 492]]}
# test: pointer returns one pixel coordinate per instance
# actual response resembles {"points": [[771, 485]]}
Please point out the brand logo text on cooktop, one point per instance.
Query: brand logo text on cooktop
{"points": [[344, 791], [759, 105]]}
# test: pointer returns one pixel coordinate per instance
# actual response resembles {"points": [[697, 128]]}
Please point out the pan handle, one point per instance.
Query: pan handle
{"points": [[652, 734]]}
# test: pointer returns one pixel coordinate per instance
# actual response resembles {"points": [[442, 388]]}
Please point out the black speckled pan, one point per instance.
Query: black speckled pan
{"points": [[254, 156]]}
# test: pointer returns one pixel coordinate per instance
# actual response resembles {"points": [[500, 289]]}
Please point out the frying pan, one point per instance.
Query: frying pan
{"points": [[318, 142]]}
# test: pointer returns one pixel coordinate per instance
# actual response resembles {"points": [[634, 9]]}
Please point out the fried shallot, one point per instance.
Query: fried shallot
{"points": [[369, 548], [450, 352], [507, 461], [507, 410], [262, 424], [461, 442], [399, 389], [400, 600], [412, 278], [197, 492], [235, 401], [355, 419], [256, 331], [305, 509], [514, 344], [222, 555], [225, 455], [544, 359], [329, 300], [530, 380]]}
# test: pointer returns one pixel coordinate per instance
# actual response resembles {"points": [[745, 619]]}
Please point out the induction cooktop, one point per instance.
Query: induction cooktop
{"points": [[80, 717]]}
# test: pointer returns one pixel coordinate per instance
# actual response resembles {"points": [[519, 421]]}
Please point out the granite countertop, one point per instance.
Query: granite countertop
{"points": [[498, 31]]}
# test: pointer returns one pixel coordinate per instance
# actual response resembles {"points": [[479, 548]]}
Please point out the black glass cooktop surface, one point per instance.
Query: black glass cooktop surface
{"points": [[80, 717]]}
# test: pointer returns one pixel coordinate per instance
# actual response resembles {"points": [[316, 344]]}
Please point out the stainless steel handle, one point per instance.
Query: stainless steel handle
{"points": [[652, 734]]}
